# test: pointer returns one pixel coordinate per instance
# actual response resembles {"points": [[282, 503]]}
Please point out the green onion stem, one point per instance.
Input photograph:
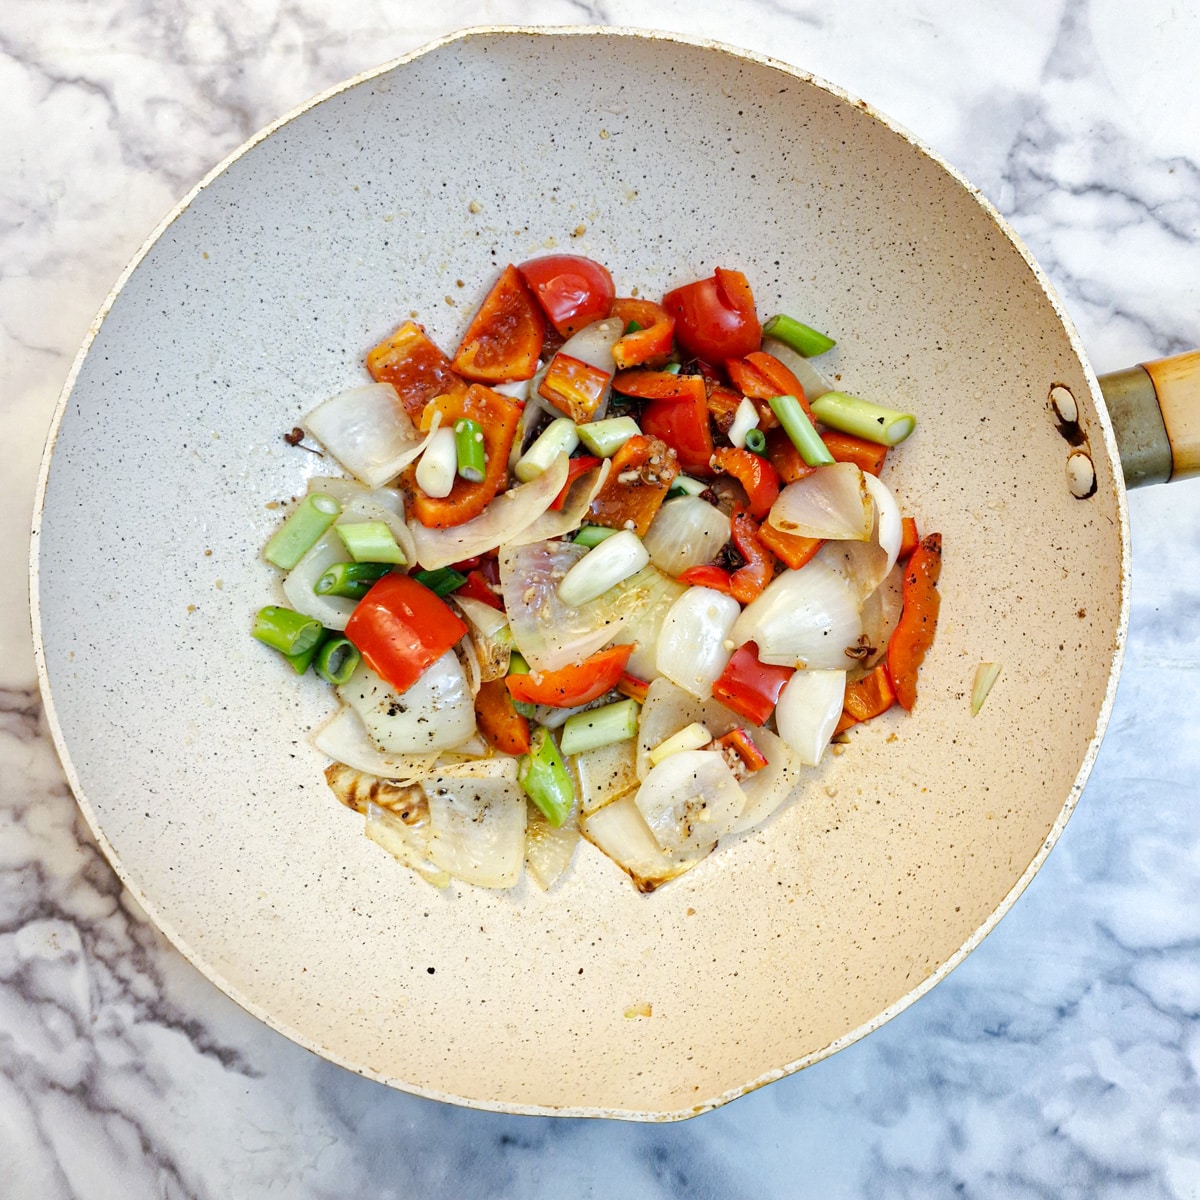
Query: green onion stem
{"points": [[371, 542], [756, 441], [301, 662], [561, 436], [543, 776], [800, 429], [632, 327], [442, 581], [606, 437], [872, 422], [517, 664], [673, 368], [297, 535], [802, 338], [468, 442], [592, 535], [685, 485], [599, 727], [286, 630], [350, 579], [337, 659]]}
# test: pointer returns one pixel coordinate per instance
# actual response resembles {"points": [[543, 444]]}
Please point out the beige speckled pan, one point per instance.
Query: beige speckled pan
{"points": [[400, 193]]}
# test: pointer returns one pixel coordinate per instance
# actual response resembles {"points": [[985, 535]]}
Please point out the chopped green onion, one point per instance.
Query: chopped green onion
{"points": [[615, 559], [561, 436], [632, 327], [543, 776], [301, 662], [286, 630], [371, 541], [672, 368], [756, 441], [592, 535], [606, 437], [525, 708], [441, 582], [517, 664], [806, 341], [685, 485], [300, 532], [337, 659], [468, 443], [873, 422], [599, 727], [350, 579], [800, 429]]}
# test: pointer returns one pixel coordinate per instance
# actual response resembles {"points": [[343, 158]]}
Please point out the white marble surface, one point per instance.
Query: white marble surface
{"points": [[1063, 1058]]}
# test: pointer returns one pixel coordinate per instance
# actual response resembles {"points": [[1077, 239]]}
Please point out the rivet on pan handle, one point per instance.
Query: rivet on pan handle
{"points": [[1155, 410]]}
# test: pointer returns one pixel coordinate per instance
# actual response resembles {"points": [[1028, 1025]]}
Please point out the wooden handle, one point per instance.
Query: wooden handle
{"points": [[1155, 410]]}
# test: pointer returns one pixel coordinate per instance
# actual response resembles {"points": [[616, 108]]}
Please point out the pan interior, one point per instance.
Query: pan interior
{"points": [[404, 195]]}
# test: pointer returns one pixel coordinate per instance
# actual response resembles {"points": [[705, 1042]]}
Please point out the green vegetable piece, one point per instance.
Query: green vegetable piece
{"points": [[441, 582], [805, 340], [599, 727], [606, 437], [286, 630], [871, 422], [543, 776], [685, 485], [300, 532], [371, 541], [301, 662], [800, 429], [592, 535], [337, 659], [561, 436], [756, 441], [468, 444], [350, 579]]}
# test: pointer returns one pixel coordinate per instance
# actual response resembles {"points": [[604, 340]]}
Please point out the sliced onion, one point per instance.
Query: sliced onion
{"points": [[889, 529], [593, 344], [367, 430], [344, 738], [360, 503], [805, 618], [605, 773], [772, 786], [830, 502], [686, 533], [548, 848], [407, 842], [880, 614], [489, 636], [644, 601], [437, 468], [603, 567], [477, 828], [811, 379], [692, 648], [436, 713], [508, 514], [356, 789], [808, 711], [620, 831], [332, 611], [689, 800], [552, 524]]}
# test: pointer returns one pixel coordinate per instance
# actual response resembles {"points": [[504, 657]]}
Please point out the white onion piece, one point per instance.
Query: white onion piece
{"points": [[356, 789], [804, 618], [367, 430], [811, 379], [889, 528], [830, 502], [808, 710], [488, 634], [518, 389], [332, 611], [344, 738], [548, 848], [689, 800], [863, 565], [406, 842], [644, 601], [686, 532], [744, 420], [553, 524], [620, 831], [435, 713], [477, 829], [880, 615], [605, 773], [508, 514], [772, 786], [593, 344], [499, 766], [603, 567], [692, 647]]}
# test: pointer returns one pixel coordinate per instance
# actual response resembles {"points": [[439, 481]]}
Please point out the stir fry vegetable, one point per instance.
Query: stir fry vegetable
{"points": [[604, 574]]}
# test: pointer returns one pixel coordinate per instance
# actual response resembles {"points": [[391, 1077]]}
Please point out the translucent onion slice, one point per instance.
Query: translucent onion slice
{"points": [[477, 828], [772, 786], [831, 502], [436, 713], [553, 524], [889, 528], [880, 614], [405, 842], [344, 738], [620, 831], [507, 515], [489, 635], [332, 611], [686, 532], [357, 789], [811, 379], [367, 430], [808, 710], [692, 648], [644, 601], [605, 773], [593, 343], [548, 850], [690, 800], [805, 618]]}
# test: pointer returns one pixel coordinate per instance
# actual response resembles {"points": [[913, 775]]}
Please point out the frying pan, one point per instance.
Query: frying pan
{"points": [[402, 192]]}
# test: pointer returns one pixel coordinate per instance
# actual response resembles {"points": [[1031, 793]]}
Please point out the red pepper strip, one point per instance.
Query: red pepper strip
{"points": [[723, 404], [400, 627], [574, 387], [504, 340], [913, 634], [415, 367], [751, 688], [650, 344], [498, 417], [739, 742], [682, 422], [747, 583], [478, 588], [637, 484], [633, 687], [708, 576], [575, 467], [845, 447], [909, 538], [762, 376], [866, 698], [792, 549], [754, 473], [655, 385], [573, 685], [498, 719]]}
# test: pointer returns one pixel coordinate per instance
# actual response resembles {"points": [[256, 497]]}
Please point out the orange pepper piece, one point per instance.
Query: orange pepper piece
{"points": [[498, 719], [913, 634], [652, 343], [792, 549], [505, 337], [637, 484]]}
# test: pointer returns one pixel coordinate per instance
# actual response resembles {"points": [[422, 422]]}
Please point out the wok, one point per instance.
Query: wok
{"points": [[663, 158]]}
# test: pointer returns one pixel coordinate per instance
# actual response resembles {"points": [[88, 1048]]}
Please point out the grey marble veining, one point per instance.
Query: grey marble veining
{"points": [[1061, 1060]]}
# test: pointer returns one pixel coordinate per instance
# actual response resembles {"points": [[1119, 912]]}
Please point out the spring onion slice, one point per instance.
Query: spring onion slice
{"points": [[336, 660], [615, 559], [468, 443], [561, 436], [986, 674], [302, 530], [745, 419], [756, 441], [691, 737], [437, 467], [543, 777], [302, 661], [802, 338], [286, 630], [441, 582], [862, 418], [600, 727], [685, 485], [371, 541], [350, 579], [800, 429], [604, 438], [592, 535]]}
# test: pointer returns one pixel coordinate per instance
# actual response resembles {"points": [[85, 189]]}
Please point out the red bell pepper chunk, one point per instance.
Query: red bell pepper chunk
{"points": [[715, 318], [415, 367], [570, 686], [650, 344], [573, 291], [400, 627], [682, 422], [740, 744], [845, 447], [749, 687], [792, 549], [504, 340], [913, 634], [633, 687], [636, 486], [754, 473], [909, 538], [708, 576], [646, 384], [575, 468], [762, 376], [747, 582], [574, 387], [866, 698], [478, 588]]}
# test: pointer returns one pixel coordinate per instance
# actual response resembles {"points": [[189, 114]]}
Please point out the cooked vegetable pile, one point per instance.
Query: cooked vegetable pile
{"points": [[616, 570]]}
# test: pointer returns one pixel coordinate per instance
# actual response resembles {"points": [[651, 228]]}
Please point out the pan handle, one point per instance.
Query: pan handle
{"points": [[1155, 410]]}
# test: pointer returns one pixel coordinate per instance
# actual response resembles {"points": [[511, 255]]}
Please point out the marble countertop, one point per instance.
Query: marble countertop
{"points": [[1061, 1059]]}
